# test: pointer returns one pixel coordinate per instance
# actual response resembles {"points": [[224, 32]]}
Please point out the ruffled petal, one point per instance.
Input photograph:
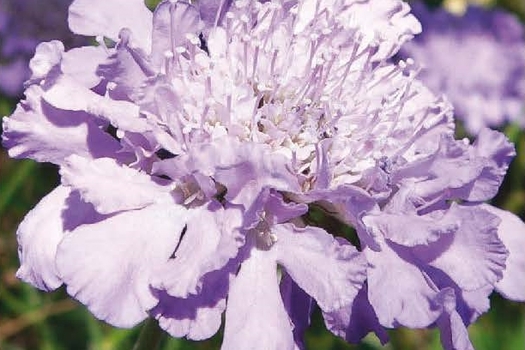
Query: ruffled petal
{"points": [[271, 206], [331, 271], [410, 229], [459, 170], [473, 256], [498, 151], [38, 237], [212, 237], [255, 316], [299, 306], [70, 95], [97, 17], [172, 21], [107, 265], [354, 322], [95, 180], [47, 56], [454, 335], [400, 293], [45, 134], [82, 64], [198, 316], [511, 231], [245, 169], [469, 304], [385, 24]]}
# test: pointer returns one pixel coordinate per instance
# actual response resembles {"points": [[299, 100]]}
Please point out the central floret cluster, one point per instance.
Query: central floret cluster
{"points": [[194, 142]]}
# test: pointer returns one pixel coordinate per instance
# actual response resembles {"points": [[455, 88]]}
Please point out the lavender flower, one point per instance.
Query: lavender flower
{"points": [[192, 150], [477, 60], [23, 25]]}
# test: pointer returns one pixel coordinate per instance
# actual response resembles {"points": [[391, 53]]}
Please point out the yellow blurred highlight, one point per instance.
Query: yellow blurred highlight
{"points": [[459, 7]]}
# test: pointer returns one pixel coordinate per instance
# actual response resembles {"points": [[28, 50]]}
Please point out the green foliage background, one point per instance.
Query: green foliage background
{"points": [[30, 319]]}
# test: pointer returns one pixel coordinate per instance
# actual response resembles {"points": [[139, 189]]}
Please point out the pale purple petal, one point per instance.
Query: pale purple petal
{"points": [[107, 265], [353, 322], [331, 271], [38, 237], [172, 21], [212, 11], [273, 209], [473, 256], [198, 316], [243, 168], [47, 56], [498, 152], [212, 237], [95, 180], [255, 316], [299, 306], [410, 229], [70, 95], [82, 63], [454, 335], [97, 17], [42, 230], [41, 132], [459, 170], [400, 293], [511, 232]]}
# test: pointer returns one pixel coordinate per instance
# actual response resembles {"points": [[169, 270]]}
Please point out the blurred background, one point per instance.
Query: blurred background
{"points": [[30, 319]]}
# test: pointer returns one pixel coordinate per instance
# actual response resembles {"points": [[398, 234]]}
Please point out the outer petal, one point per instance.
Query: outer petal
{"points": [[211, 239], [470, 172], [107, 265], [197, 316], [511, 231], [498, 152], [474, 256], [387, 23], [469, 304], [97, 17], [70, 95], [47, 56], [82, 64], [255, 316], [410, 229], [299, 306], [399, 291], [95, 180], [38, 237], [331, 271], [45, 134], [354, 322], [454, 335]]}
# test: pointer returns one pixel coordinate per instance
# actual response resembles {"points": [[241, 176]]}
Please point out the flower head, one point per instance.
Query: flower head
{"points": [[193, 149], [476, 59]]}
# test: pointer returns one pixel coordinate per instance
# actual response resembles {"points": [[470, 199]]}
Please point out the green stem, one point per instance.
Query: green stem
{"points": [[15, 182], [150, 336]]}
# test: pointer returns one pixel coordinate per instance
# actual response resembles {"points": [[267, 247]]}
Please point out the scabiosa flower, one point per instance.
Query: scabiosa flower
{"points": [[23, 25], [476, 59], [193, 143]]}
